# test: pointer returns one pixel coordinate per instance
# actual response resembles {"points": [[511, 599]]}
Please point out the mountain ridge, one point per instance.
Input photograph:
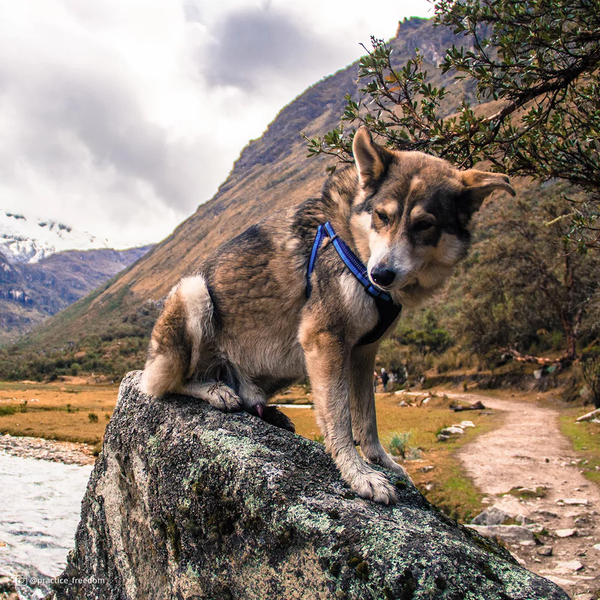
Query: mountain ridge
{"points": [[30, 292]]}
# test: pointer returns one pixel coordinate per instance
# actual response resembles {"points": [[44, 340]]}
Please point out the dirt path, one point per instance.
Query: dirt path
{"points": [[529, 451]]}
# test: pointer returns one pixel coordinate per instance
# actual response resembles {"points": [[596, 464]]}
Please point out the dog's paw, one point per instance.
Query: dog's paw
{"points": [[387, 462], [373, 485], [274, 416], [223, 398], [217, 394]]}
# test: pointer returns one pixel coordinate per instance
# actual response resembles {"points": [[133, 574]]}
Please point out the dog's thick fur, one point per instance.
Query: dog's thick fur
{"points": [[241, 328]]}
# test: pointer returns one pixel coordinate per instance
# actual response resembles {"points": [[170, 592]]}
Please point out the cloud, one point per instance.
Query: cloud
{"points": [[119, 117], [76, 136], [250, 46]]}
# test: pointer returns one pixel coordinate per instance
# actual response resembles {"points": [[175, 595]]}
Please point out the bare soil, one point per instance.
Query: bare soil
{"points": [[528, 451]]}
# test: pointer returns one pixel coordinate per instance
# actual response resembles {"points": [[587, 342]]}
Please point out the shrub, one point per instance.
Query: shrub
{"points": [[93, 417], [398, 446]]}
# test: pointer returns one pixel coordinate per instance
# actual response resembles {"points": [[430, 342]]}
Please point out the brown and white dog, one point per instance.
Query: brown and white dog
{"points": [[242, 327]]}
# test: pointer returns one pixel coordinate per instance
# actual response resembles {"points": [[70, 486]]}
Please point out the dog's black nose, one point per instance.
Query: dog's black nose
{"points": [[382, 276]]}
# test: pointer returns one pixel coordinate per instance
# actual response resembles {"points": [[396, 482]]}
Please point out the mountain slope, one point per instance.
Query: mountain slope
{"points": [[31, 292], [271, 173]]}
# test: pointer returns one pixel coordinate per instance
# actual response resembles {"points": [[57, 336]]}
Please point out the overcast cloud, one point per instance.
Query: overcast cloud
{"points": [[119, 117]]}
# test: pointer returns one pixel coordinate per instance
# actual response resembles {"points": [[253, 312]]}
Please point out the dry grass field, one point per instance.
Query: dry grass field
{"points": [[57, 411]]}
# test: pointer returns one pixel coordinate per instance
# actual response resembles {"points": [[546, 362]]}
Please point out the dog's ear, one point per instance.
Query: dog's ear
{"points": [[479, 185], [371, 159]]}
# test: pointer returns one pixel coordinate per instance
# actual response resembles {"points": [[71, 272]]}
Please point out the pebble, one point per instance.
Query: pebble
{"points": [[573, 501], [545, 551], [454, 430], [512, 534], [565, 533], [69, 453], [597, 547], [570, 565]]}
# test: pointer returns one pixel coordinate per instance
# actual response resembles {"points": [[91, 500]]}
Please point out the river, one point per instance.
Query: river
{"points": [[40, 503]]}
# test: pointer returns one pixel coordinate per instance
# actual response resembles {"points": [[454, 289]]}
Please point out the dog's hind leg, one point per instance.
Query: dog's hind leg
{"points": [[362, 404], [328, 363], [179, 337]]}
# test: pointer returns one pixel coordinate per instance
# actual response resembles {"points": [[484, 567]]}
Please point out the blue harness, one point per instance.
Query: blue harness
{"points": [[387, 309]]}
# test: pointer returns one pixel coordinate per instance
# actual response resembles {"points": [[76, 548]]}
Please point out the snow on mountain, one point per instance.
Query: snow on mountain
{"points": [[27, 239]]}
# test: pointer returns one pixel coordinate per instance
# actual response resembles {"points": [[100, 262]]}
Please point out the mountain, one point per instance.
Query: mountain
{"points": [[30, 292], [26, 239], [271, 173]]}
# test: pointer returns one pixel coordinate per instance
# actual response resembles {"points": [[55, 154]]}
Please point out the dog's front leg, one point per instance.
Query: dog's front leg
{"points": [[328, 365], [364, 419]]}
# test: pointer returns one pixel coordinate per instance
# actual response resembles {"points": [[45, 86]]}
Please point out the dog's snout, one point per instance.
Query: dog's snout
{"points": [[383, 276]]}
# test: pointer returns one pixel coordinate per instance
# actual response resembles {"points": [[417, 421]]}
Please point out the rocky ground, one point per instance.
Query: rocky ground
{"points": [[529, 472], [29, 447]]}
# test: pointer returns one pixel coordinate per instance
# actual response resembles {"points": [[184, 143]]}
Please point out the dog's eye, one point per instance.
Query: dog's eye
{"points": [[423, 225], [382, 217]]}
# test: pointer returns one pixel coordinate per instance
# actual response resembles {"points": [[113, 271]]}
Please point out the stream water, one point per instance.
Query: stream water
{"points": [[40, 503]]}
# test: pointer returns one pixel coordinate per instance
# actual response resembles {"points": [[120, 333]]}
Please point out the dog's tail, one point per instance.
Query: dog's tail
{"points": [[178, 337]]}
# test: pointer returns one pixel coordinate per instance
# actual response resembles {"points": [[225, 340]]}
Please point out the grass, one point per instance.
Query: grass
{"points": [[585, 438], [56, 411]]}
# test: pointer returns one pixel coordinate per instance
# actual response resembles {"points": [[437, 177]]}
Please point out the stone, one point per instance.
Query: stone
{"points": [[454, 430], [464, 424], [596, 547], [188, 502], [524, 520], [512, 534], [565, 533], [546, 514], [570, 565], [545, 550], [490, 516], [584, 597], [443, 438], [573, 501]]}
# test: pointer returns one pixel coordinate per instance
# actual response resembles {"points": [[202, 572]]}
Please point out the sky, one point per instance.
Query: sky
{"points": [[120, 117]]}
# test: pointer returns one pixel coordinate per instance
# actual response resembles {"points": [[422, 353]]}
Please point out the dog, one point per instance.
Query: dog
{"points": [[312, 290]]}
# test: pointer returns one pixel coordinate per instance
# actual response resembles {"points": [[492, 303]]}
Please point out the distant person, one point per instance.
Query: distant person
{"points": [[375, 378], [384, 379]]}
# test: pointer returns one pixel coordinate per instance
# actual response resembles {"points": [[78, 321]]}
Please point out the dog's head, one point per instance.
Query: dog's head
{"points": [[411, 216]]}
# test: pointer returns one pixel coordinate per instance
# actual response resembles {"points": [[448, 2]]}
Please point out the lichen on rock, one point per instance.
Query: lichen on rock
{"points": [[188, 502]]}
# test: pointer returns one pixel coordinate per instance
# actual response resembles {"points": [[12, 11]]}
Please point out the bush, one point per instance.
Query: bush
{"points": [[93, 417], [398, 446]]}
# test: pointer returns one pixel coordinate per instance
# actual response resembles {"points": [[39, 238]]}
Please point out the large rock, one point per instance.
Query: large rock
{"points": [[188, 502]]}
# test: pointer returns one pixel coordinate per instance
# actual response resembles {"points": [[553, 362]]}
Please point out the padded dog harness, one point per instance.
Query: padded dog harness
{"points": [[387, 309]]}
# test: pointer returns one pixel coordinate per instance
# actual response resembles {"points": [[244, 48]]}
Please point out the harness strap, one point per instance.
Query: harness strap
{"points": [[387, 309]]}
